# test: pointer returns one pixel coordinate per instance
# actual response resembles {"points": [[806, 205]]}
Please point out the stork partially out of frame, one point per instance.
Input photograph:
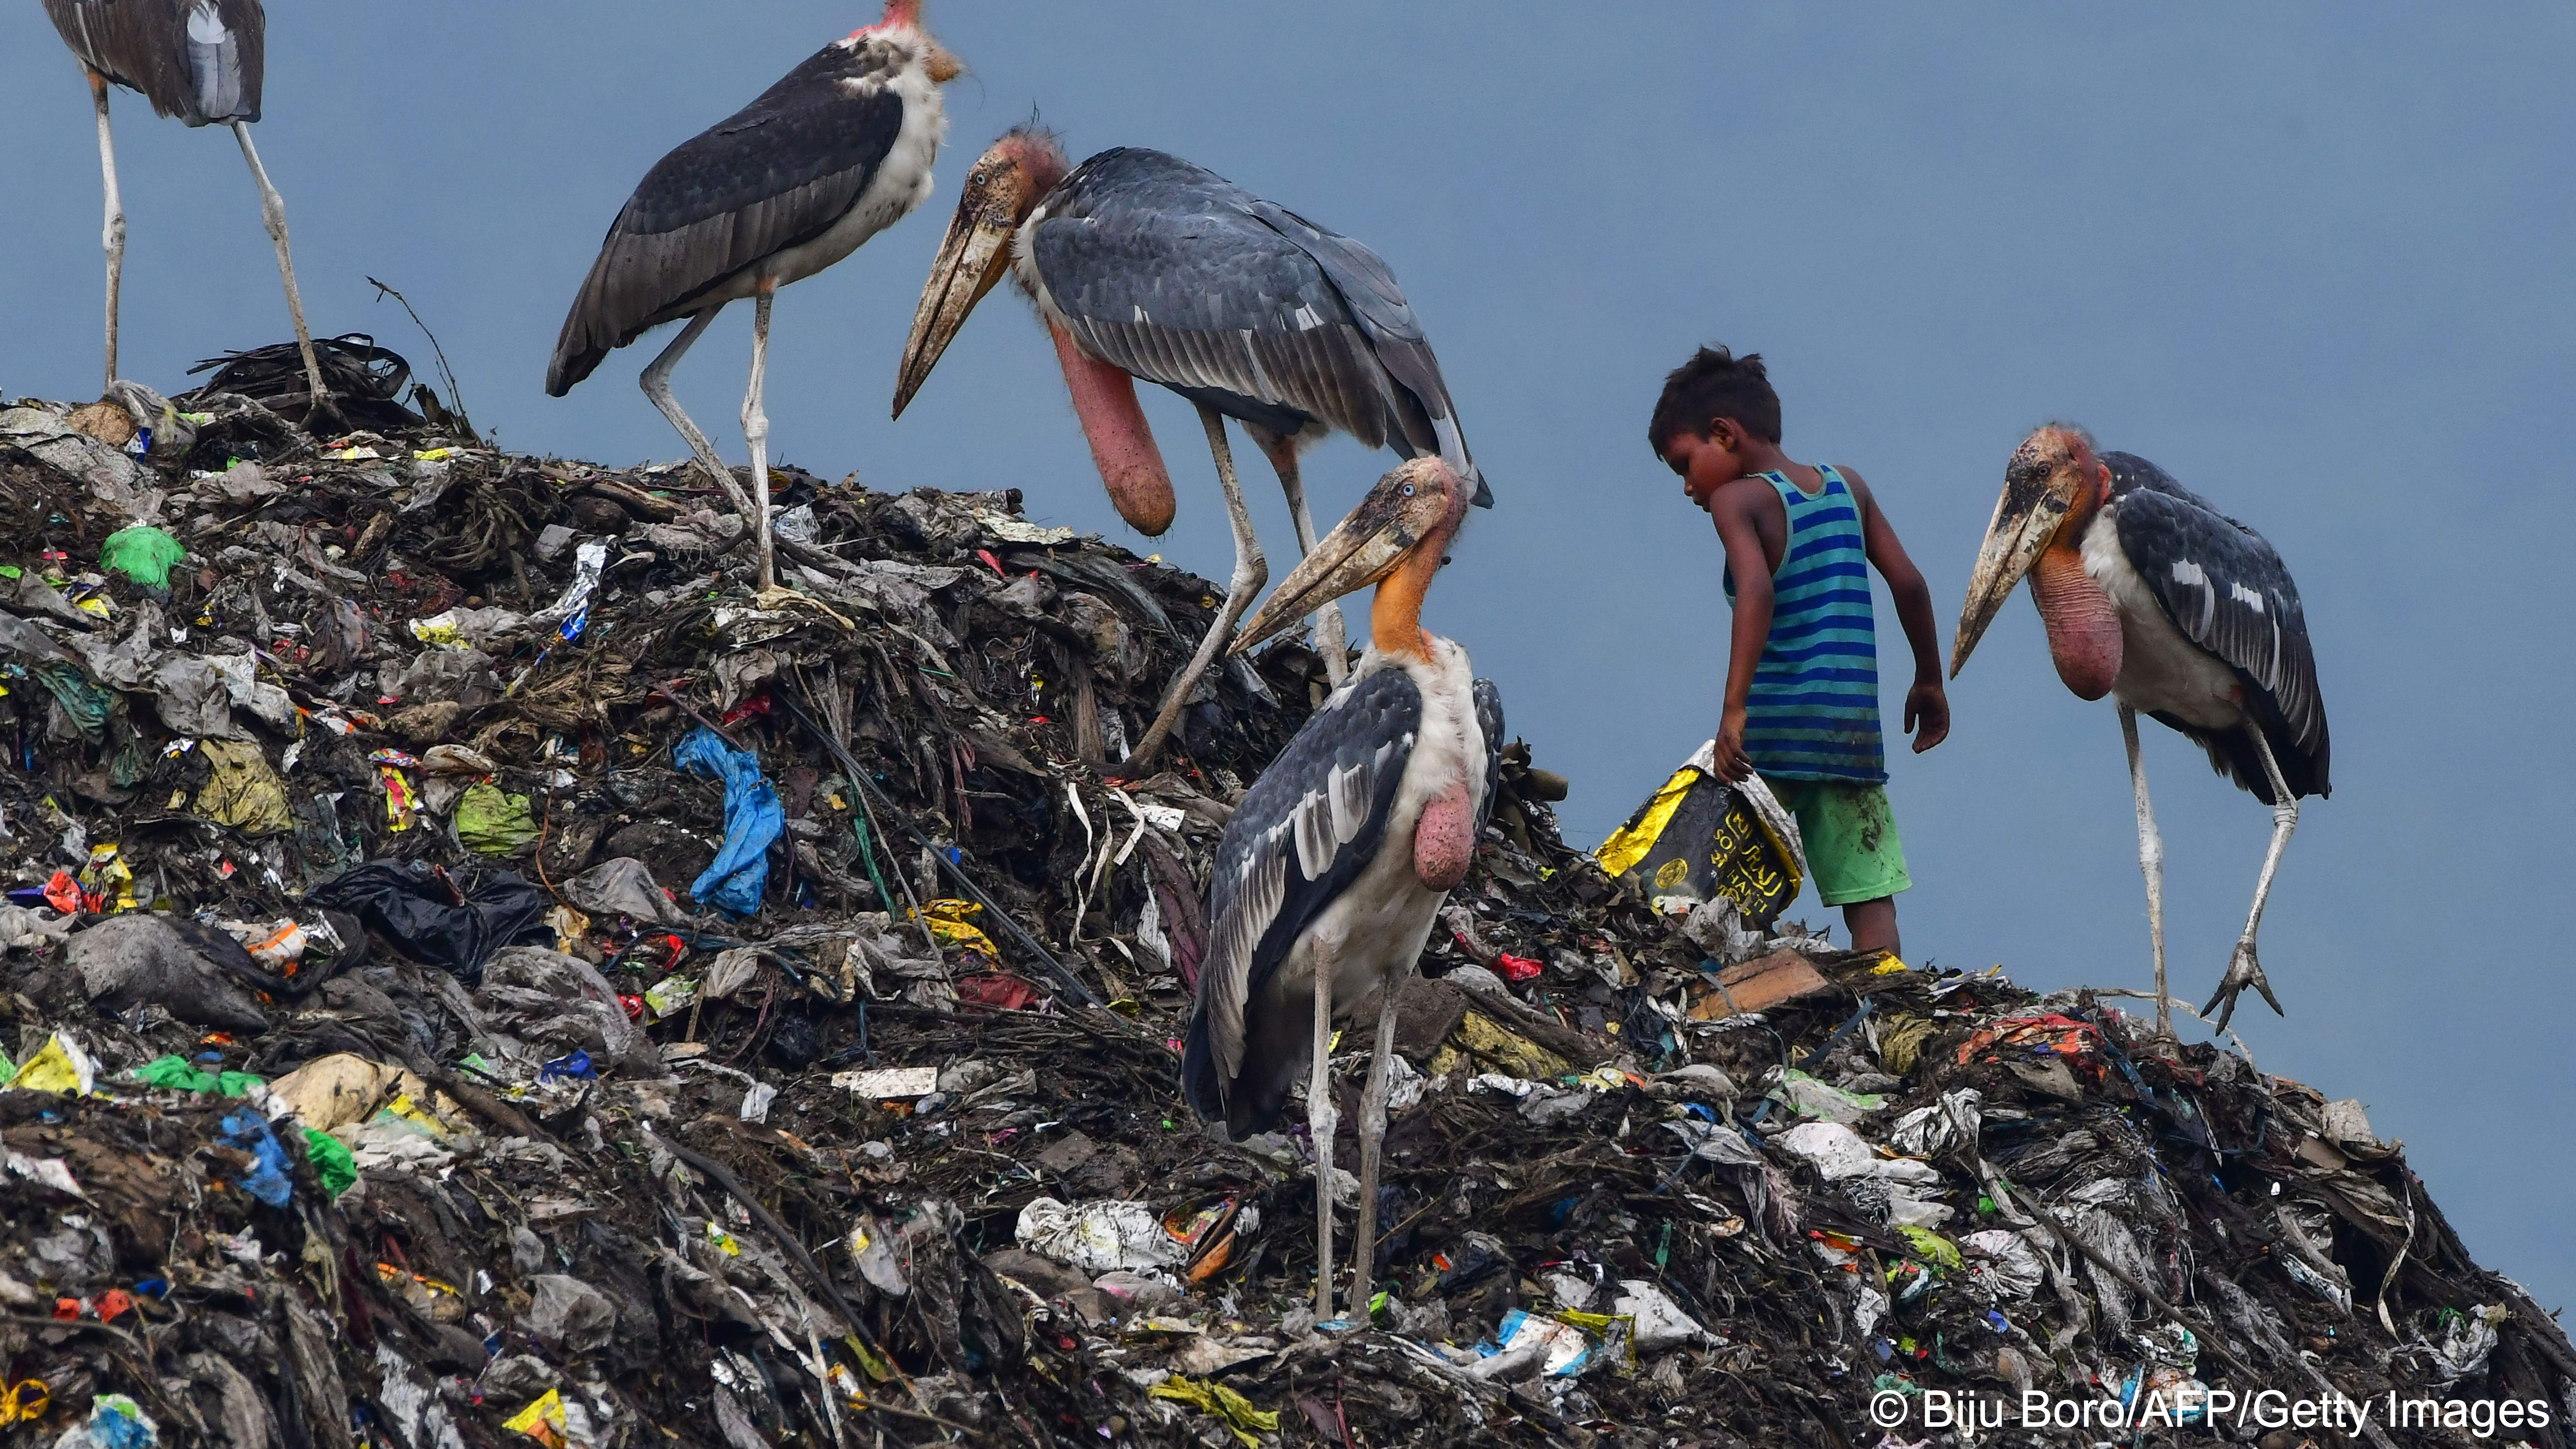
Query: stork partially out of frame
{"points": [[202, 61]]}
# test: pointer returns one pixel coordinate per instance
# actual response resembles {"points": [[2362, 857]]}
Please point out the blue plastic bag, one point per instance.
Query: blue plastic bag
{"points": [[753, 819], [269, 1175]]}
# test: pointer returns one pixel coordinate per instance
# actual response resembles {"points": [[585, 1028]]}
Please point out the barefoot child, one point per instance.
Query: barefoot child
{"points": [[1802, 675]]}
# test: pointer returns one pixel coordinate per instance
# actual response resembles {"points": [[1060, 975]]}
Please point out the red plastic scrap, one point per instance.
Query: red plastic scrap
{"points": [[2063, 1035], [998, 990], [63, 893], [991, 562], [1519, 968]]}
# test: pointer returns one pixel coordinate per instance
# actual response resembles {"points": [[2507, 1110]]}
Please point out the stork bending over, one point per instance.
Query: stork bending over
{"points": [[1332, 870], [837, 151], [2153, 596], [1143, 265], [205, 63]]}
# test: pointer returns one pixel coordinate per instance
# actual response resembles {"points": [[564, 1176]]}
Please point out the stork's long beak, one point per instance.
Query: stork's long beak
{"points": [[1361, 550], [2026, 518], [971, 261]]}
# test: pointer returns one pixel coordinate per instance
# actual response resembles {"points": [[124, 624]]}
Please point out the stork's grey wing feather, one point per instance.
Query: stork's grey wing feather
{"points": [[1304, 831], [1176, 275], [774, 175], [2227, 590], [1489, 723], [202, 61]]}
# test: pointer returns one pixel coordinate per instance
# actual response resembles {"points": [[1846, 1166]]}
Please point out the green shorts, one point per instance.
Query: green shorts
{"points": [[1850, 835]]}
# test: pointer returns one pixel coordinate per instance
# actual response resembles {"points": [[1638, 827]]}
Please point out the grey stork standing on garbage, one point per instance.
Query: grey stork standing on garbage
{"points": [[2152, 596], [202, 61], [1333, 868], [834, 153], [1144, 265]]}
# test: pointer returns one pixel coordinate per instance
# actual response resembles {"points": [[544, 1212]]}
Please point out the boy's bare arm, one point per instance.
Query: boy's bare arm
{"points": [[1927, 705], [1732, 509]]}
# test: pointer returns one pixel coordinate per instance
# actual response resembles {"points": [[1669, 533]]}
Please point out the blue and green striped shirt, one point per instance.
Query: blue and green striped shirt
{"points": [[1813, 710]]}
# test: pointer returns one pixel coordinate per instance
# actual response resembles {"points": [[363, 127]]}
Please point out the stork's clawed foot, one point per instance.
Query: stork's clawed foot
{"points": [[2243, 970]]}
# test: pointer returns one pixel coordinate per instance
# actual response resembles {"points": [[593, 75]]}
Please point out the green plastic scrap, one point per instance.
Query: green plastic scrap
{"points": [[1933, 1250], [332, 1161], [87, 705], [178, 1074], [491, 823], [1236, 1411], [142, 553]]}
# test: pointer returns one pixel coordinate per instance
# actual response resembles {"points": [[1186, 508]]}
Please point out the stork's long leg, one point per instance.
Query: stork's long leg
{"points": [[2243, 969], [1251, 571], [113, 236], [2151, 861], [1372, 1135], [272, 210], [656, 383], [755, 429], [1330, 639], [1321, 1120]]}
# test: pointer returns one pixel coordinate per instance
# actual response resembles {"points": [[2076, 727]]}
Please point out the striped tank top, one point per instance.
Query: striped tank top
{"points": [[1813, 710]]}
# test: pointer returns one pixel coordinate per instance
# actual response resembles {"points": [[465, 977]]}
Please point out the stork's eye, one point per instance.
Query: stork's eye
{"points": [[1408, 490]]}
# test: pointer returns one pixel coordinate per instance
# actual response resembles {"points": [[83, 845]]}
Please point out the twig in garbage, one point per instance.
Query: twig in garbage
{"points": [[455, 394]]}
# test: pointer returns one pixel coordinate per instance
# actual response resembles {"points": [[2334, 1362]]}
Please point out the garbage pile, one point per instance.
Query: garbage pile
{"points": [[483, 974]]}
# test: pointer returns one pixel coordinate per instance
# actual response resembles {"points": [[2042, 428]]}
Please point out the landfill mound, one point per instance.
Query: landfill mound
{"points": [[483, 974]]}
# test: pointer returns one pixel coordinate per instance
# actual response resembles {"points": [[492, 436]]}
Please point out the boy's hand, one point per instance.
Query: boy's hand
{"points": [[1731, 762], [1927, 714]]}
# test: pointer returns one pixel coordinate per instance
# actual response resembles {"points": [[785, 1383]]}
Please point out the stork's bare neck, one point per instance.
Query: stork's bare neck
{"points": [[1396, 538]]}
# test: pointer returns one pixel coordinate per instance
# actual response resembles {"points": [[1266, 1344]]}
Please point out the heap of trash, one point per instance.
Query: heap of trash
{"points": [[481, 973]]}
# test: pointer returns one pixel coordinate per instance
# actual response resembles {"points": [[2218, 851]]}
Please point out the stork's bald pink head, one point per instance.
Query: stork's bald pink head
{"points": [[1006, 186], [903, 17], [2052, 487]]}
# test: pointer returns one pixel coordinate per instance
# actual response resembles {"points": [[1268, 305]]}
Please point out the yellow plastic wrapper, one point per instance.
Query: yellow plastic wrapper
{"points": [[1496, 1048], [401, 801], [1699, 837], [107, 876], [244, 792], [61, 1067], [1629, 843], [542, 1421], [1221, 1403], [950, 921]]}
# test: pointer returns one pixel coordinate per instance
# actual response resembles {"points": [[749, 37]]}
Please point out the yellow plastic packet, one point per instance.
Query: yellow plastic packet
{"points": [[542, 1421], [1222, 1403], [62, 1067], [950, 923]]}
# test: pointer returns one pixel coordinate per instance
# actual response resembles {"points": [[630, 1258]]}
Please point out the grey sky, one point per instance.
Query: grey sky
{"points": [[2312, 260]]}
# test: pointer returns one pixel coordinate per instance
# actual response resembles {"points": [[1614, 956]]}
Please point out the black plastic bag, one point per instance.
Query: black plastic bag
{"points": [[435, 918]]}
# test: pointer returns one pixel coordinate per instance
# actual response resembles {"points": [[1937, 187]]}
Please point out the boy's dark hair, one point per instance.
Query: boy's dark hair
{"points": [[1716, 384]]}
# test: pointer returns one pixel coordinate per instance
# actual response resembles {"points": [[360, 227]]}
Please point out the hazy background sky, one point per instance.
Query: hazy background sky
{"points": [[2311, 259]]}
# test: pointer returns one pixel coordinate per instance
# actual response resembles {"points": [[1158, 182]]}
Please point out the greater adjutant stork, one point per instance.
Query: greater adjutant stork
{"points": [[2151, 595], [834, 153], [202, 61], [1329, 875], [1144, 265]]}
